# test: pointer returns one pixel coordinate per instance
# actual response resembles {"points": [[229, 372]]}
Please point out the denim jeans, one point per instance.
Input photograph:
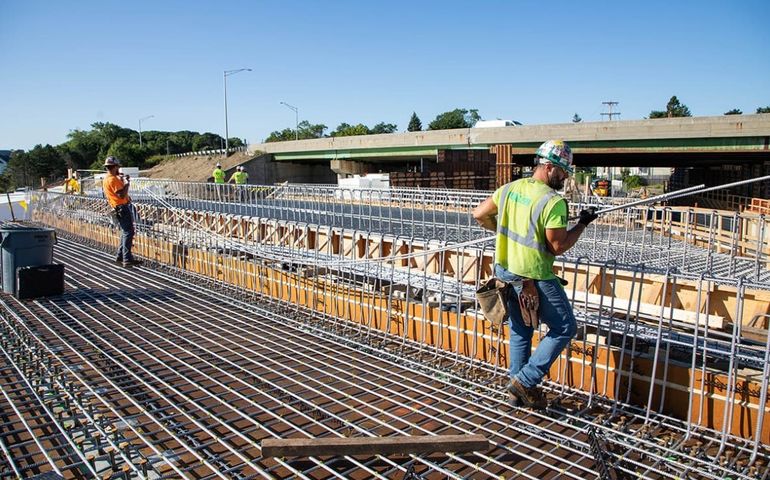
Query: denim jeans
{"points": [[555, 311], [126, 223]]}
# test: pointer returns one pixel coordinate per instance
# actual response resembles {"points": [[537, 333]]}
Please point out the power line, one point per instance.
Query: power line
{"points": [[610, 113]]}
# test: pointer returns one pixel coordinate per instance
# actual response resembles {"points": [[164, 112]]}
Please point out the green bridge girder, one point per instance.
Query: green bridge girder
{"points": [[675, 145]]}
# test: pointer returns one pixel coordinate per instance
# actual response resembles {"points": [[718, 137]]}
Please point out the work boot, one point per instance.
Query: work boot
{"points": [[132, 262], [514, 401], [530, 397], [118, 260]]}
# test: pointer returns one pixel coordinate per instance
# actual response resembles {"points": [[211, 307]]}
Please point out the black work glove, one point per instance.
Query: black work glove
{"points": [[587, 216]]}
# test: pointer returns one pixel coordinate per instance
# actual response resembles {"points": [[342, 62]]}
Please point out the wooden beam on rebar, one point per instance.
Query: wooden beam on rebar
{"points": [[321, 447]]}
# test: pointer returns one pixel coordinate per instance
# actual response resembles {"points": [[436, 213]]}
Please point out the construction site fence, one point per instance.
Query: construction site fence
{"points": [[648, 341]]}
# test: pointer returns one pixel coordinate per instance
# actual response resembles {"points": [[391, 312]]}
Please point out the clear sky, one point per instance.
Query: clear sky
{"points": [[67, 64]]}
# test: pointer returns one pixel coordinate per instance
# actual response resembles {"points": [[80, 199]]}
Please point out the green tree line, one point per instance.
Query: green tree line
{"points": [[457, 118], [675, 108], [87, 149]]}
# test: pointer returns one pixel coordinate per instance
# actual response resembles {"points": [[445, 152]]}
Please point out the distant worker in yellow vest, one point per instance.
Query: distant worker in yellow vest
{"points": [[219, 174], [72, 185], [531, 223], [240, 177]]}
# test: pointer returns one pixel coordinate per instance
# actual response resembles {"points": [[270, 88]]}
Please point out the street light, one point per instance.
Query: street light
{"points": [[296, 119], [140, 127], [227, 74]]}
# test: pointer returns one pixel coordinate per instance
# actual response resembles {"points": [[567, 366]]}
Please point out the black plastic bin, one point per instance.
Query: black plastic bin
{"points": [[40, 281]]}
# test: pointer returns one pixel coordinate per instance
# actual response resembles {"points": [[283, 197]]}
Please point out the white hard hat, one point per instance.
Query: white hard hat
{"points": [[556, 152], [219, 165]]}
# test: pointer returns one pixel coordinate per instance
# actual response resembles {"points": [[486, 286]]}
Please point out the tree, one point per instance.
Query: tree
{"points": [[763, 109], [128, 152], [673, 109], [383, 127], [345, 130], [207, 141], [308, 130], [415, 125], [82, 149], [26, 168], [734, 111], [108, 133], [457, 118], [305, 130], [88, 149], [576, 118], [280, 135], [634, 181]]}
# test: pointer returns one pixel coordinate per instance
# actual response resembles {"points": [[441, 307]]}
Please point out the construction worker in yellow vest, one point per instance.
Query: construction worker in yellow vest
{"points": [[72, 185], [218, 174], [240, 177], [530, 219]]}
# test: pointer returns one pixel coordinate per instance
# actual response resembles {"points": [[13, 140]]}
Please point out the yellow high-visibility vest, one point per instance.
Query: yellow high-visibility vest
{"points": [[529, 207]]}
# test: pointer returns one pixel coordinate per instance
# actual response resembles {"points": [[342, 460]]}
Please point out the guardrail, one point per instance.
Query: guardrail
{"points": [[219, 151]]}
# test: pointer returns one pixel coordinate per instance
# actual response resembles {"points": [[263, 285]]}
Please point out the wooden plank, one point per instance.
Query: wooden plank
{"points": [[307, 447], [621, 305]]}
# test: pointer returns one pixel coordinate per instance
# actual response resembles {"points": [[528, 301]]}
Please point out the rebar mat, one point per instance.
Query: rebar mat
{"points": [[139, 373]]}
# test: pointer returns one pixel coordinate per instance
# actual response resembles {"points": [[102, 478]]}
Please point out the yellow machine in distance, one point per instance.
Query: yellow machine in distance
{"points": [[601, 187]]}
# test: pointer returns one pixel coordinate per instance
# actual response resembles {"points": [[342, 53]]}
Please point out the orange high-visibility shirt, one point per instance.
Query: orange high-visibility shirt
{"points": [[111, 184]]}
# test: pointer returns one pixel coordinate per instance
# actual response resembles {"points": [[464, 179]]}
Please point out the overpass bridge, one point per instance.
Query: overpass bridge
{"points": [[693, 141]]}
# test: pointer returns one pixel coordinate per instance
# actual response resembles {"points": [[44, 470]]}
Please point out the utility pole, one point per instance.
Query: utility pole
{"points": [[296, 118], [610, 113], [226, 74]]}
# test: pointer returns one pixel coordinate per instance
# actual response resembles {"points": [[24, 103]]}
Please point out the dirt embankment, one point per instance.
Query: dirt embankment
{"points": [[195, 168]]}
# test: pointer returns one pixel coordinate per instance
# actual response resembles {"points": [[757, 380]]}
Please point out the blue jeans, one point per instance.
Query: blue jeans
{"points": [[126, 223], [555, 311]]}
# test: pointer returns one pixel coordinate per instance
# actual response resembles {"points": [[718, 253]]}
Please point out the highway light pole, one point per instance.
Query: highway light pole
{"points": [[227, 73], [296, 119], [140, 127]]}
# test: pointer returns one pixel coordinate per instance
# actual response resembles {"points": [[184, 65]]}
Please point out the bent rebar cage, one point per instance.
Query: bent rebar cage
{"points": [[675, 295]]}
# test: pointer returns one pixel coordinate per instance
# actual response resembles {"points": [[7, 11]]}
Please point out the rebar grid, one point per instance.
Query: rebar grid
{"points": [[641, 335], [195, 363], [675, 337], [418, 286], [693, 240], [248, 384]]}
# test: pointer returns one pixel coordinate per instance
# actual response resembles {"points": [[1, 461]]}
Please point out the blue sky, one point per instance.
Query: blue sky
{"points": [[66, 65]]}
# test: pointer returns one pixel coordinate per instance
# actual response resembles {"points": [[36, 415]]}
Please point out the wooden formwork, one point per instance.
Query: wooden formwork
{"points": [[721, 232], [468, 265], [592, 366]]}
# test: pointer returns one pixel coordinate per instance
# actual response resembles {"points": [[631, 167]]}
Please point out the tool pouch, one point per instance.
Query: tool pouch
{"points": [[493, 300], [114, 216], [529, 302]]}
